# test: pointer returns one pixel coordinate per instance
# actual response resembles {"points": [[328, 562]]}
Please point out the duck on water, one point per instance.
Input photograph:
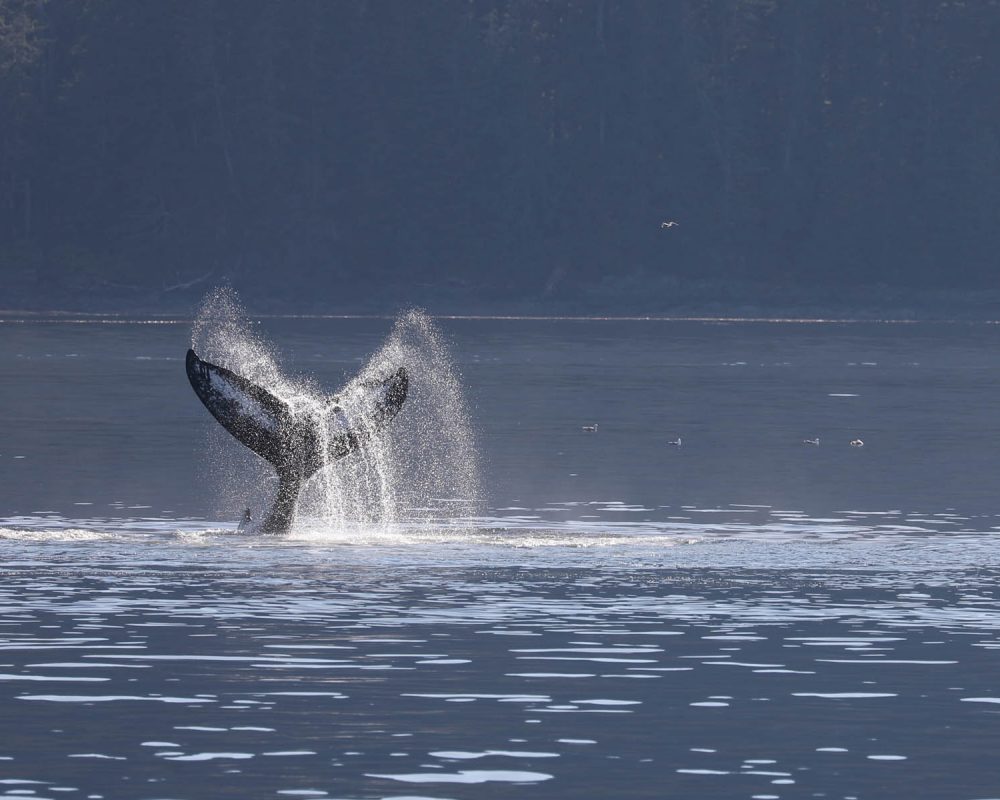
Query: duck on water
{"points": [[296, 443]]}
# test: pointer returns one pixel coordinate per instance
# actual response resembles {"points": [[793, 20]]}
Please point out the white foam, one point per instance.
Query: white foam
{"points": [[844, 695], [209, 756], [467, 754], [468, 776]]}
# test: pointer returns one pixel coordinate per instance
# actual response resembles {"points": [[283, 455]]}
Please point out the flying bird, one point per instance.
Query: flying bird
{"points": [[857, 443], [814, 442], [590, 428], [669, 224], [675, 442]]}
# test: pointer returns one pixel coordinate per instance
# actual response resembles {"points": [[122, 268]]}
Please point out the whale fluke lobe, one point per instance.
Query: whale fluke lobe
{"points": [[296, 441], [249, 412]]}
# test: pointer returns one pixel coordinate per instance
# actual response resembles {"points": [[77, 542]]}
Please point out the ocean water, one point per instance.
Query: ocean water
{"points": [[740, 615]]}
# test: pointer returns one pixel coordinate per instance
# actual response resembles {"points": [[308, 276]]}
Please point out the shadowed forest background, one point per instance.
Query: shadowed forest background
{"points": [[518, 156]]}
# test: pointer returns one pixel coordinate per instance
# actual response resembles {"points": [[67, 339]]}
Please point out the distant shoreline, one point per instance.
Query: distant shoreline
{"points": [[15, 316], [708, 300]]}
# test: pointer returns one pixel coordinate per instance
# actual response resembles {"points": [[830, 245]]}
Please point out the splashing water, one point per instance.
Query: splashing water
{"points": [[422, 467]]}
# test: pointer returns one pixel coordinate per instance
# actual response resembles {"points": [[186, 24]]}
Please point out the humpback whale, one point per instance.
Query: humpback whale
{"points": [[296, 442]]}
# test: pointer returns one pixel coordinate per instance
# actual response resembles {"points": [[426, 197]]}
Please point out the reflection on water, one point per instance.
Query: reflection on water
{"points": [[740, 616]]}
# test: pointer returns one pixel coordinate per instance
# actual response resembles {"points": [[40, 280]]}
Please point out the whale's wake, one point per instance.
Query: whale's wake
{"points": [[421, 467]]}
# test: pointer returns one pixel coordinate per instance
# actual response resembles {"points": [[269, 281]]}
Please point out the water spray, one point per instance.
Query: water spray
{"points": [[421, 467]]}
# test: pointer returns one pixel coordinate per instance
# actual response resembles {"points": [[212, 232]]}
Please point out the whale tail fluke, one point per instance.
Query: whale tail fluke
{"points": [[249, 412], [296, 444]]}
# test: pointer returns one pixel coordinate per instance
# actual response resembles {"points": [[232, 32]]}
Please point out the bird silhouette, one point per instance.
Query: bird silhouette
{"points": [[669, 224], [590, 428]]}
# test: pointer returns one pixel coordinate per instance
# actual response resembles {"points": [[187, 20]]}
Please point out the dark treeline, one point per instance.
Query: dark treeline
{"points": [[489, 154]]}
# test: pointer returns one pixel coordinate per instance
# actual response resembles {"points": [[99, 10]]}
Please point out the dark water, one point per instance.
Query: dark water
{"points": [[741, 616]]}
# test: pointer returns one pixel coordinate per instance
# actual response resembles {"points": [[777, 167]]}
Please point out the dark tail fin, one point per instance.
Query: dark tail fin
{"points": [[252, 414], [293, 444]]}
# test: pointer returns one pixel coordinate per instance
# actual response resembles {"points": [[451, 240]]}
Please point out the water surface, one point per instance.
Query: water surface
{"points": [[741, 616]]}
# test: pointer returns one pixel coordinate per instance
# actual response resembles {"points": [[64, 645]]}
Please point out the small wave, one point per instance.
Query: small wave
{"points": [[54, 535]]}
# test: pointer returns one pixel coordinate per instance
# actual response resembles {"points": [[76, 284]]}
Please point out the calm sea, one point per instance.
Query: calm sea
{"points": [[741, 615]]}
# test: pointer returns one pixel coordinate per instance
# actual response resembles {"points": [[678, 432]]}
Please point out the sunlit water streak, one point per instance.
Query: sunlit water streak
{"points": [[560, 535], [206, 658]]}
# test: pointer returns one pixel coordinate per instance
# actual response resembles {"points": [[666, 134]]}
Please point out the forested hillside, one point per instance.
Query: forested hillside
{"points": [[498, 155]]}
